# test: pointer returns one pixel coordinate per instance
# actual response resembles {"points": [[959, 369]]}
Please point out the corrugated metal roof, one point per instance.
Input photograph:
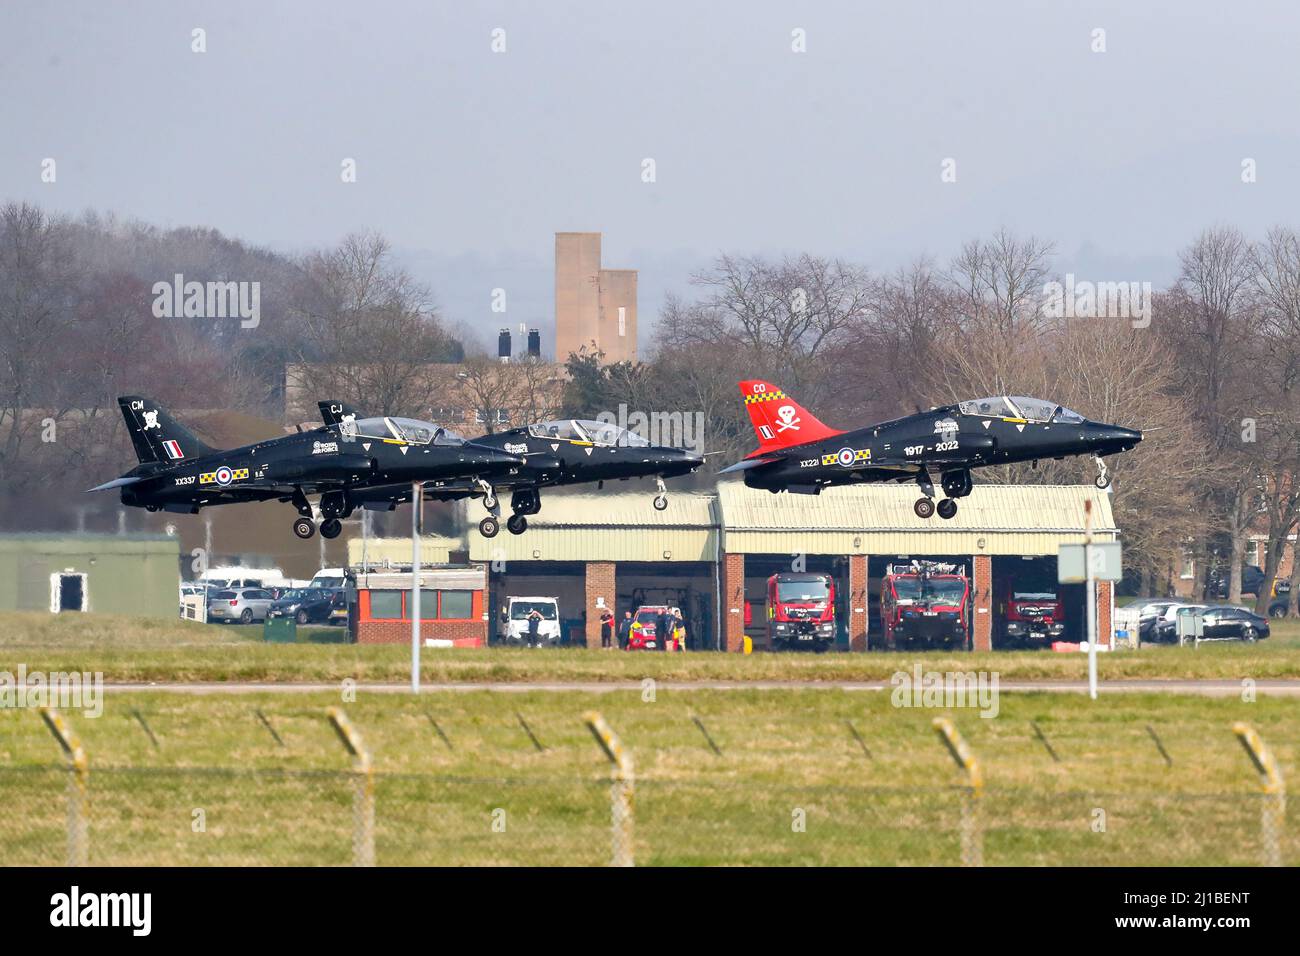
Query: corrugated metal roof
{"points": [[878, 519], [605, 526], [434, 549], [872, 519]]}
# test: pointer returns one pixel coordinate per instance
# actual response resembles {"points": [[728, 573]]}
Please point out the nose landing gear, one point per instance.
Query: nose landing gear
{"points": [[661, 499], [1102, 480]]}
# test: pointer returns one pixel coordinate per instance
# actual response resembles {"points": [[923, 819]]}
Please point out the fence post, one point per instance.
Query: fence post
{"points": [[78, 828], [972, 839], [363, 794], [1272, 814], [620, 791]]}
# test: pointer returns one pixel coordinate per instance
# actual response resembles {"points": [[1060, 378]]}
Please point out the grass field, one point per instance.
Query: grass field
{"points": [[476, 789], [129, 650], [890, 800]]}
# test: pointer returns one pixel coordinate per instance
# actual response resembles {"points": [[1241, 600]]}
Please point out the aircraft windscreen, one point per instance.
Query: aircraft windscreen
{"points": [[608, 434], [567, 430], [996, 406], [412, 431], [1034, 409], [1065, 415]]}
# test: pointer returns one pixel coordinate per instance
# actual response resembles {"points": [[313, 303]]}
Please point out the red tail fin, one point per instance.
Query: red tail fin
{"points": [[778, 420]]}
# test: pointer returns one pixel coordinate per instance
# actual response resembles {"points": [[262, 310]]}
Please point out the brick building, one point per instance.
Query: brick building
{"points": [[451, 607], [711, 554]]}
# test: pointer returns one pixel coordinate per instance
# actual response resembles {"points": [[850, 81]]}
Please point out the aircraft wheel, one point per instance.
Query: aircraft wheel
{"points": [[489, 527], [331, 528], [304, 528], [947, 508], [1102, 481], [516, 524], [661, 502], [924, 507], [489, 502]]}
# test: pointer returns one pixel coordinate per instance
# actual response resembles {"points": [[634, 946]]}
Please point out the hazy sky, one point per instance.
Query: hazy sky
{"points": [[470, 160]]}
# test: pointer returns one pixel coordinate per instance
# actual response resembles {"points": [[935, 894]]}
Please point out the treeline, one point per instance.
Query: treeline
{"points": [[80, 304], [1207, 369]]}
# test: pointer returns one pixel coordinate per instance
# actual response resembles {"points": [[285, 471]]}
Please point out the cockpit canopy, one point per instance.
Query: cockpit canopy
{"points": [[411, 431], [1020, 406], [604, 434]]}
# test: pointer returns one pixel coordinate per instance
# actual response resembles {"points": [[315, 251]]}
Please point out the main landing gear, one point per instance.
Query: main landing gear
{"points": [[523, 502], [334, 506], [956, 484], [1102, 480], [661, 499]]}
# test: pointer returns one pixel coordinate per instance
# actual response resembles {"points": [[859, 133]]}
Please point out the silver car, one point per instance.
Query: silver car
{"points": [[244, 605]]}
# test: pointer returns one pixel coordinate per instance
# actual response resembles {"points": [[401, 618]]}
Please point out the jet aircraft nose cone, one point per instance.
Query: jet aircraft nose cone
{"points": [[1113, 437]]}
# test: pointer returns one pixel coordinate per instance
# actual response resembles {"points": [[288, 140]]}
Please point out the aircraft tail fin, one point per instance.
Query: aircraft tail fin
{"points": [[157, 436], [332, 413], [779, 421]]}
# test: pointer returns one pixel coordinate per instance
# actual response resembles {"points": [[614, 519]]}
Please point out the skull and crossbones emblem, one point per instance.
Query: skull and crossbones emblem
{"points": [[789, 420], [151, 419]]}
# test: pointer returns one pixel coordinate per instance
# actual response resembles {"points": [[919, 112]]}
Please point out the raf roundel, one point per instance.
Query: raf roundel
{"points": [[845, 457], [224, 475]]}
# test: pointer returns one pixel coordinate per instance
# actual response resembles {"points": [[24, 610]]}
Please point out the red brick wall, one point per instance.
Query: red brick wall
{"points": [[600, 584], [399, 632], [857, 599], [733, 601], [982, 625]]}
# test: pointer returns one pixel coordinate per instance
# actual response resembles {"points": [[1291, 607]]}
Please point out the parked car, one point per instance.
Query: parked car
{"points": [[242, 605], [305, 605], [645, 624], [1165, 629], [1149, 611], [1252, 579], [1224, 622]]}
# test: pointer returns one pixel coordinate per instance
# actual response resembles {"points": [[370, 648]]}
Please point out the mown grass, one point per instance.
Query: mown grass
{"points": [[139, 650], [785, 754]]}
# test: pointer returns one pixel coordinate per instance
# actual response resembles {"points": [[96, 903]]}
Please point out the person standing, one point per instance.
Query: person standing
{"points": [[606, 629], [625, 630], [664, 630], [534, 622]]}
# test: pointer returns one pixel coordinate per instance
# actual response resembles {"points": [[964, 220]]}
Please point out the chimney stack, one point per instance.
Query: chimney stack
{"points": [[503, 346], [534, 344]]}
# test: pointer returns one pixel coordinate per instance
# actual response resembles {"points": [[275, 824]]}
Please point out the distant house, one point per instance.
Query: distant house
{"points": [[137, 574]]}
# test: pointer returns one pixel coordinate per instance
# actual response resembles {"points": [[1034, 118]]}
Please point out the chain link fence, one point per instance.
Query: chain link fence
{"points": [[219, 817]]}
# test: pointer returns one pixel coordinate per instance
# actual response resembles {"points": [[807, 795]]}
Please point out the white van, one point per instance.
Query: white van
{"points": [[330, 578], [516, 621], [234, 576]]}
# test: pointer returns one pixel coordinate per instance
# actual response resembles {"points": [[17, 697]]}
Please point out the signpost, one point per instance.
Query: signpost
{"points": [[417, 500], [1089, 563]]}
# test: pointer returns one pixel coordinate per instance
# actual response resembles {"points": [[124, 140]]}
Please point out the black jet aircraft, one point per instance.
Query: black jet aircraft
{"points": [[798, 453], [177, 472], [566, 452]]}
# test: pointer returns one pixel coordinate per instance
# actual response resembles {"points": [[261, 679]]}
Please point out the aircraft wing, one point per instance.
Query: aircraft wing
{"points": [[747, 464], [116, 483]]}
